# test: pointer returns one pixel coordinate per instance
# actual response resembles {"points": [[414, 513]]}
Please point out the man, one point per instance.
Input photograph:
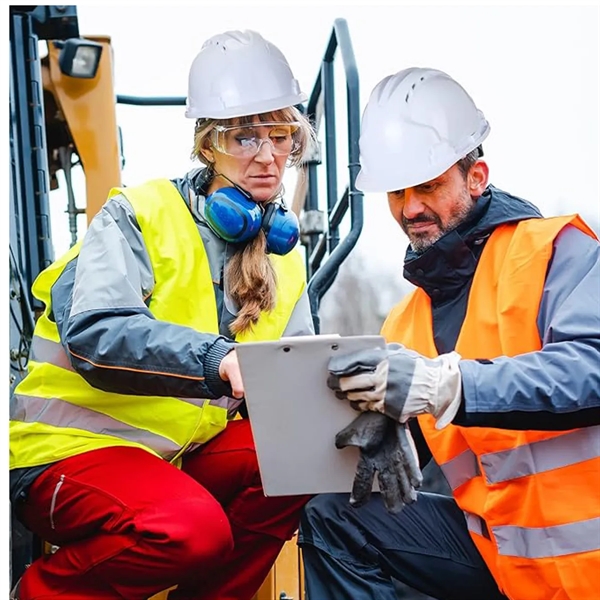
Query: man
{"points": [[497, 355]]}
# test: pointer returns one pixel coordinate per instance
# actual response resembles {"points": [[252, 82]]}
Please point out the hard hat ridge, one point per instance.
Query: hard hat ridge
{"points": [[238, 73], [416, 125], [406, 80]]}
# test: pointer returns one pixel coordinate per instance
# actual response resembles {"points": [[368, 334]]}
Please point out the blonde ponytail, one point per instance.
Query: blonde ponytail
{"points": [[251, 283]]}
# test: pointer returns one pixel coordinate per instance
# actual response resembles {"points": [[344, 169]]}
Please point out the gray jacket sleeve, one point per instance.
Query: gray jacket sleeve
{"points": [[112, 339], [301, 322], [557, 387]]}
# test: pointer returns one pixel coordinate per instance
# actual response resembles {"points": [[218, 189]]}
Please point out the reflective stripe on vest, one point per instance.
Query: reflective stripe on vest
{"points": [[54, 354], [531, 498], [529, 459], [476, 524], [55, 413], [43, 350], [545, 455], [460, 469], [546, 542], [541, 542]]}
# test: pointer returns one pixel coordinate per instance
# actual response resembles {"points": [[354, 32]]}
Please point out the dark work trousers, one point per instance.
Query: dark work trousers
{"points": [[129, 524], [353, 553]]}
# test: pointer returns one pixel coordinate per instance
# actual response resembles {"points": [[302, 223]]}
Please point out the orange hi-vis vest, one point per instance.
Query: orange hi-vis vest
{"points": [[531, 498]]}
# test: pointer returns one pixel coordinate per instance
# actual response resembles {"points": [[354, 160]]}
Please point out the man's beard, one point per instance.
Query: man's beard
{"points": [[422, 242]]}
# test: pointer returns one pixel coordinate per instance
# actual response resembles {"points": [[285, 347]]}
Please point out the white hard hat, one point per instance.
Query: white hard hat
{"points": [[239, 73], [416, 125]]}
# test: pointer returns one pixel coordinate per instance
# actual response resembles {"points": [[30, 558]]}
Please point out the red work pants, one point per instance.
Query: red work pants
{"points": [[129, 525]]}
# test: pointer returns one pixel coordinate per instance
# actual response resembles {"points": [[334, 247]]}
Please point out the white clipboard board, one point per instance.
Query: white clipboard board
{"points": [[294, 416]]}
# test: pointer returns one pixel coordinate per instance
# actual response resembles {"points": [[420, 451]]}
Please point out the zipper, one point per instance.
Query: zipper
{"points": [[189, 441], [53, 502]]}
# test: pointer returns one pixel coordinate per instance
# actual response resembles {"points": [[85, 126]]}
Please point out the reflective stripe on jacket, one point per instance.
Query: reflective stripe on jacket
{"points": [[531, 498], [55, 413]]}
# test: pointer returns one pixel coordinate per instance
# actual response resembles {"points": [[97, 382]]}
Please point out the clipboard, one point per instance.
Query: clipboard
{"points": [[294, 416]]}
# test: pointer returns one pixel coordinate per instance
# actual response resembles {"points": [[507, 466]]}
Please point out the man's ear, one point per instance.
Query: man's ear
{"points": [[477, 179]]}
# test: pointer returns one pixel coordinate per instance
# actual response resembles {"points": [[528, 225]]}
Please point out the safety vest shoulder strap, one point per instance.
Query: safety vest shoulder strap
{"points": [[501, 316], [183, 292]]}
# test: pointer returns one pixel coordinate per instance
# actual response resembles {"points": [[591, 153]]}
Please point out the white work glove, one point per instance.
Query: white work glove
{"points": [[399, 382]]}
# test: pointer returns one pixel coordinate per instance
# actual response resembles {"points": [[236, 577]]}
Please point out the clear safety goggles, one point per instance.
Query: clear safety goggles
{"points": [[246, 141]]}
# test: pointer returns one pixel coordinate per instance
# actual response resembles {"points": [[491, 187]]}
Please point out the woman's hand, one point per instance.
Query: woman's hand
{"points": [[229, 370]]}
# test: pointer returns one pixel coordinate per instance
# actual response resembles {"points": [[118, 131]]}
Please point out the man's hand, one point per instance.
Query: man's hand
{"points": [[229, 370], [386, 447], [399, 382]]}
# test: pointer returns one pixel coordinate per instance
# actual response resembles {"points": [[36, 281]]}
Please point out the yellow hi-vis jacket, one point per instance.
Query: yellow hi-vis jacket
{"points": [[531, 498], [56, 413]]}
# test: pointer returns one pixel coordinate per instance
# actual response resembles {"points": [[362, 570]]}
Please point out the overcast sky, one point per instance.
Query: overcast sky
{"points": [[533, 70]]}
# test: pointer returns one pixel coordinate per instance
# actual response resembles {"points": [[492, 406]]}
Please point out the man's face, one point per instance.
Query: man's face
{"points": [[428, 211]]}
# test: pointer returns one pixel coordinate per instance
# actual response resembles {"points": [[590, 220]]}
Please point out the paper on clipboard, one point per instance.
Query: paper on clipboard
{"points": [[294, 415]]}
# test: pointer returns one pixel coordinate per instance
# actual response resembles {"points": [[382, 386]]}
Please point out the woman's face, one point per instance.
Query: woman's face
{"points": [[253, 156]]}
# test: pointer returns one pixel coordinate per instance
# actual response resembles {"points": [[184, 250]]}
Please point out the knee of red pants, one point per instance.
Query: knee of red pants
{"points": [[159, 546], [185, 534], [178, 529], [164, 543]]}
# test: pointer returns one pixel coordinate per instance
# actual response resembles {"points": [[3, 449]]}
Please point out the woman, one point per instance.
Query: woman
{"points": [[124, 450]]}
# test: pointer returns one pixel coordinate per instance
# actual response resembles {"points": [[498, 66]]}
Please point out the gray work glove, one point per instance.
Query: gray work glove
{"points": [[386, 447], [399, 382]]}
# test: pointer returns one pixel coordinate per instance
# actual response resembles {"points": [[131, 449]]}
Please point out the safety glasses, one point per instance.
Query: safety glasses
{"points": [[245, 141]]}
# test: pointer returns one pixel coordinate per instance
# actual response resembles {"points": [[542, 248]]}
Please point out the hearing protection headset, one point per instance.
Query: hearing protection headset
{"points": [[235, 217]]}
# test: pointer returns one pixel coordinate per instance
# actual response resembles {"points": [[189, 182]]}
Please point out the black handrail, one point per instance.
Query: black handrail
{"points": [[30, 185], [151, 100], [322, 275]]}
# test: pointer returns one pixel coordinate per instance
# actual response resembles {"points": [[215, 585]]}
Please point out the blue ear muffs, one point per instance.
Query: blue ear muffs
{"points": [[234, 217], [281, 228]]}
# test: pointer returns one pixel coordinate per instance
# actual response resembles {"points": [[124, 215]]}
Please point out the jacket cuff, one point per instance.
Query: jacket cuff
{"points": [[212, 360]]}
